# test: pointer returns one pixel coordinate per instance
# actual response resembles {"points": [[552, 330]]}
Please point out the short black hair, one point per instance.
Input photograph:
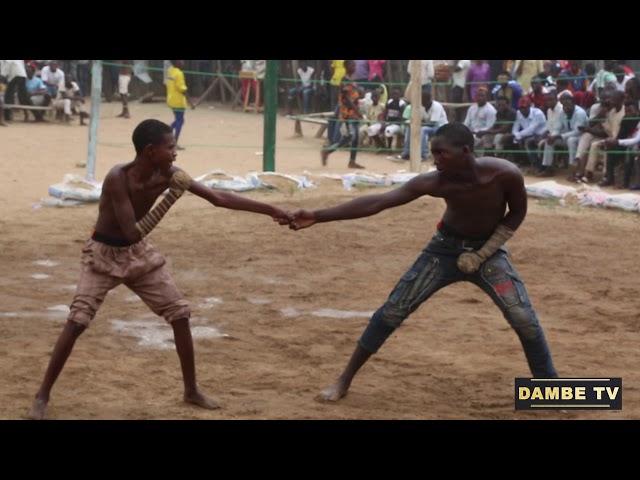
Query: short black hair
{"points": [[457, 134], [150, 131]]}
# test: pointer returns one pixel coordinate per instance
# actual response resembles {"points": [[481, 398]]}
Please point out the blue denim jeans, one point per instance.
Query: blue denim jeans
{"points": [[341, 141], [436, 268], [425, 133], [306, 96]]}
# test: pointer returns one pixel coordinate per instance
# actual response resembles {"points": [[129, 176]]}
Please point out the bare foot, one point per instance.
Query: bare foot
{"points": [[201, 400], [334, 392], [355, 165], [38, 408]]}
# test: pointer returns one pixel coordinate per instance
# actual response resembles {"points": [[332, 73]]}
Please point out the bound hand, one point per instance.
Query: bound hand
{"points": [[302, 219], [469, 262]]}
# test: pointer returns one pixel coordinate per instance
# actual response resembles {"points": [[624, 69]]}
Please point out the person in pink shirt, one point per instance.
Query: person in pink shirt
{"points": [[376, 70]]}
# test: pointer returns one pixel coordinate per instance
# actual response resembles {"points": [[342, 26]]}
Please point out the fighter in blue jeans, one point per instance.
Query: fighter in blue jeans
{"points": [[468, 246]]}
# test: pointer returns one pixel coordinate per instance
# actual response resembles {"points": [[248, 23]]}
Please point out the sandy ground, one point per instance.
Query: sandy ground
{"points": [[265, 299]]}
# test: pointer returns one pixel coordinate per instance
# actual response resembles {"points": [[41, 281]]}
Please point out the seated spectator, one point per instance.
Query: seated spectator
{"points": [[628, 137], [507, 88], [481, 117], [529, 127], [393, 117], [373, 115], [37, 91], [551, 72], [70, 98], [305, 72], [538, 93], [604, 77], [53, 78], [622, 77], [500, 134], [433, 117], [572, 119], [478, 76], [605, 125], [551, 137]]}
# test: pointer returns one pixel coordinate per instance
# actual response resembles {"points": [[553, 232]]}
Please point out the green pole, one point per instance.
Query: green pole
{"points": [[270, 113]]}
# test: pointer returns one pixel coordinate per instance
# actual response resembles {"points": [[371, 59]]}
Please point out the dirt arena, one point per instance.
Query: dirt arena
{"points": [[276, 313]]}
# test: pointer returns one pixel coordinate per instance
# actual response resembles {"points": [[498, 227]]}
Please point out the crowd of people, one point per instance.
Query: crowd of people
{"points": [[543, 115]]}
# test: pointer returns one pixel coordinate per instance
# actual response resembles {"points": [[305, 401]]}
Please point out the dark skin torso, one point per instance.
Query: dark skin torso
{"points": [[141, 193]]}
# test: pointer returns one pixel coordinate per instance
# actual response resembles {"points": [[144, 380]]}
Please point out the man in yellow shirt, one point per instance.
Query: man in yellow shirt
{"points": [[338, 72], [177, 96]]}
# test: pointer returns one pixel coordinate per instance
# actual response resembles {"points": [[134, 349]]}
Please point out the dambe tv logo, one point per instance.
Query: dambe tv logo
{"points": [[568, 393]]}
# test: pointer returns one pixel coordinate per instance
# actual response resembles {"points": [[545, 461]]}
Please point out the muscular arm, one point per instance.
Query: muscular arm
{"points": [[234, 202], [115, 186], [372, 204], [516, 196]]}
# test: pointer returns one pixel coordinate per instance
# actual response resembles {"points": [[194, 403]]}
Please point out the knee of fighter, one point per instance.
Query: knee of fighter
{"points": [[176, 312], [76, 327], [392, 315], [524, 322]]}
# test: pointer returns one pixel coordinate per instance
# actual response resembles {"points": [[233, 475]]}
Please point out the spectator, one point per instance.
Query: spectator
{"points": [[500, 134], [124, 78], [551, 72], [3, 86], [478, 76], [628, 136], [15, 73], [177, 97], [632, 90], [248, 66], [578, 78], [37, 91], [538, 93], [433, 117], [627, 69], [607, 126], [622, 77], [53, 78], [525, 70], [362, 73], [442, 77], [83, 77], [349, 114], [69, 98], [459, 79], [376, 70], [427, 72], [604, 77], [529, 127], [507, 88], [572, 119], [305, 72], [373, 117], [480, 118], [551, 137], [393, 117], [338, 73]]}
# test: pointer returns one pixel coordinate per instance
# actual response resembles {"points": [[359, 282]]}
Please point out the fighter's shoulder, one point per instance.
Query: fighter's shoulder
{"points": [[115, 176], [500, 167]]}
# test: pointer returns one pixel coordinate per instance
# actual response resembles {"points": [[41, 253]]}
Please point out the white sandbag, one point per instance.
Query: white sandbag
{"points": [[592, 198], [364, 180], [629, 202], [220, 180], [549, 189], [280, 180], [74, 187]]}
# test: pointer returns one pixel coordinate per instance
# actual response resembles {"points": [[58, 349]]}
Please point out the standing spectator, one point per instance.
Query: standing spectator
{"points": [[433, 117], [3, 86], [459, 79], [110, 79], [393, 117], [37, 93], [376, 70], [305, 72], [529, 127], [83, 77], [605, 125], [124, 79], [632, 90], [426, 79], [478, 76], [525, 70], [507, 88], [338, 73], [177, 97], [349, 114], [551, 137], [627, 137], [247, 83], [622, 77], [16, 74], [481, 117], [362, 73], [578, 78], [53, 78], [442, 77], [500, 134]]}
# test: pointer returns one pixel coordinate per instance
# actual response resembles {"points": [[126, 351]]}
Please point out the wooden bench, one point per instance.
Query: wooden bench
{"points": [[321, 119], [12, 106]]}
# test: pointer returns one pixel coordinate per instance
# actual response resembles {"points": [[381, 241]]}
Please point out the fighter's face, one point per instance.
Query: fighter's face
{"points": [[163, 154], [447, 158]]}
